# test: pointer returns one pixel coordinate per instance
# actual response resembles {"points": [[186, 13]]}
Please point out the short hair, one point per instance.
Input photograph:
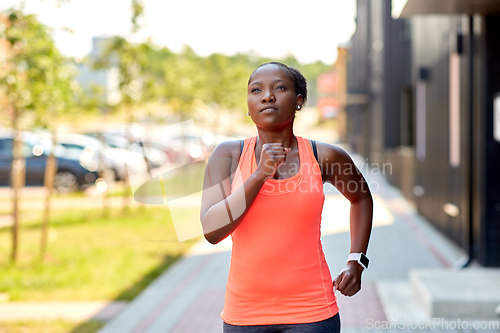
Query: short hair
{"points": [[299, 81]]}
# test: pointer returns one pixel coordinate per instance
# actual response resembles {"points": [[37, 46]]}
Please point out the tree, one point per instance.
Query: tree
{"points": [[183, 82], [226, 81], [224, 87], [130, 61], [55, 100], [34, 80]]}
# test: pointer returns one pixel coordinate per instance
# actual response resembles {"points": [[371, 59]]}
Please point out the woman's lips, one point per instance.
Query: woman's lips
{"points": [[268, 110]]}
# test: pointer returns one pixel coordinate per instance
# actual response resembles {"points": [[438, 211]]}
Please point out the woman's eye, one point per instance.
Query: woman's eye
{"points": [[255, 89], [280, 87]]}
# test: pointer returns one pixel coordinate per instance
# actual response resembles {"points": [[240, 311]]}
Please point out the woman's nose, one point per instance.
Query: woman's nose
{"points": [[268, 97]]}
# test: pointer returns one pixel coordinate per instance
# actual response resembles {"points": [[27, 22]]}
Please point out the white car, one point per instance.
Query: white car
{"points": [[90, 149], [156, 157]]}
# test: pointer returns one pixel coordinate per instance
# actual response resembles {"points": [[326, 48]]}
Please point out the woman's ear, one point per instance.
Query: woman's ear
{"points": [[300, 100]]}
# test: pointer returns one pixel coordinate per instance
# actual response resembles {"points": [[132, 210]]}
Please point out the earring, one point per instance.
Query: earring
{"points": [[248, 114], [299, 107]]}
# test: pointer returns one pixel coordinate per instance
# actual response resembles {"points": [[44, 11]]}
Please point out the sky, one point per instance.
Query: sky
{"points": [[311, 30]]}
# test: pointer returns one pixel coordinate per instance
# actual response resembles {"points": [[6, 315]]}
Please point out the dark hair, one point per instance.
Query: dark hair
{"points": [[299, 81]]}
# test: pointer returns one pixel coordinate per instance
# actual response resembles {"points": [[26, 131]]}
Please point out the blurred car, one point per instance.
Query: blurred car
{"points": [[173, 148], [207, 140], [155, 156], [71, 175], [179, 149], [114, 159]]}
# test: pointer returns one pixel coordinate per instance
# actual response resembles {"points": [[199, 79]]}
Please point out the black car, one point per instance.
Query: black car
{"points": [[71, 175]]}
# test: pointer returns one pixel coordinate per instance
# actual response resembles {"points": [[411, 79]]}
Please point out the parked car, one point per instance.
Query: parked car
{"points": [[171, 145], [115, 159], [206, 139], [177, 153], [156, 157], [71, 174]]}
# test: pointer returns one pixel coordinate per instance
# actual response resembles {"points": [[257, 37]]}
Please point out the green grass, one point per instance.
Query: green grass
{"points": [[52, 326], [91, 257], [184, 181], [77, 194]]}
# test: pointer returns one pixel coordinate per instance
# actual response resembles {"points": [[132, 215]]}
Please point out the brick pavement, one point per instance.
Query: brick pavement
{"points": [[188, 298]]}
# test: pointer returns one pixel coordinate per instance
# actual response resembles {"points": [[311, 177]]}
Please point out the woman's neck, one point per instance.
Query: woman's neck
{"points": [[285, 137]]}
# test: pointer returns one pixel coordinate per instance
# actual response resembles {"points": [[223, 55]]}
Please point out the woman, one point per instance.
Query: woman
{"points": [[279, 280]]}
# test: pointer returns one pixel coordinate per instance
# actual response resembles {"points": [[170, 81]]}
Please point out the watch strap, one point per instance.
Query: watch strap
{"points": [[357, 257]]}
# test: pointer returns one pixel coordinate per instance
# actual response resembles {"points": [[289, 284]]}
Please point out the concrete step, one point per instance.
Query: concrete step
{"points": [[399, 302], [471, 293]]}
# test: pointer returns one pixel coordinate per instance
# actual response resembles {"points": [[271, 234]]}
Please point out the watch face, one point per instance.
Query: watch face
{"points": [[364, 260]]}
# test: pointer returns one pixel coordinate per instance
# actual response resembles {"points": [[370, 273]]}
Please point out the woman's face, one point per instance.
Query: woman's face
{"points": [[271, 97]]}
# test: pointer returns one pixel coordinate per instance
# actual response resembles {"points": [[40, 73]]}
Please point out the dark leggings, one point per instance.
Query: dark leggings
{"points": [[330, 325]]}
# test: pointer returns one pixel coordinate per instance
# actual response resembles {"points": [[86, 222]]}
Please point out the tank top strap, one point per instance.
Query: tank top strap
{"points": [[311, 159]]}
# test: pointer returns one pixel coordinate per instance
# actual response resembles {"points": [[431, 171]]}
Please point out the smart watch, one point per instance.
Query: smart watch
{"points": [[361, 258]]}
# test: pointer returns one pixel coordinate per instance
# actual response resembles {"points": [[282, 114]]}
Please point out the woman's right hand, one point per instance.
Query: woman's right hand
{"points": [[222, 211], [272, 156]]}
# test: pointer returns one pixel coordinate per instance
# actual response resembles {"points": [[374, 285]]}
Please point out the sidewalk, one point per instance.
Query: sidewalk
{"points": [[189, 297]]}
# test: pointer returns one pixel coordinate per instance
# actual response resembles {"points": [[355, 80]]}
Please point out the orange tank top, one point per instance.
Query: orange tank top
{"points": [[278, 272]]}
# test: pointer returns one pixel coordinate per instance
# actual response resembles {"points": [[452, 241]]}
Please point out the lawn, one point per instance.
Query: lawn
{"points": [[52, 326], [91, 257]]}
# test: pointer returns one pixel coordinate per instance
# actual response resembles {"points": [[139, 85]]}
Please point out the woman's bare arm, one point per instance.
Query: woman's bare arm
{"points": [[221, 211], [339, 170]]}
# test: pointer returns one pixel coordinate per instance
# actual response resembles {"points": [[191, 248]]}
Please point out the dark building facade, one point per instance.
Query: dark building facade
{"points": [[421, 96]]}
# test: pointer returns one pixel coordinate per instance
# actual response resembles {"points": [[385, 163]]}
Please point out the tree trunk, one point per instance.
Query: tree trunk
{"points": [[105, 174], [126, 181], [127, 189], [50, 172], [17, 181]]}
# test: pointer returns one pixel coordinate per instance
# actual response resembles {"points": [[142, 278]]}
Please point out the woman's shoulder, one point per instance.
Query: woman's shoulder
{"points": [[329, 152], [229, 148]]}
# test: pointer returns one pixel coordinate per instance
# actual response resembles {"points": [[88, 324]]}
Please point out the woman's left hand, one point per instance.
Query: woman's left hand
{"points": [[348, 282]]}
